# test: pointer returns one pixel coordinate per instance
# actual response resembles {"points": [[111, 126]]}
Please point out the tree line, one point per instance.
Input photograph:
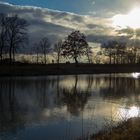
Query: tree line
{"points": [[120, 52], [73, 47], [14, 35]]}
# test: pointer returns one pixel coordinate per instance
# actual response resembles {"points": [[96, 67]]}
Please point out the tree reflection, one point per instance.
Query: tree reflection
{"points": [[10, 115], [120, 88], [74, 98]]}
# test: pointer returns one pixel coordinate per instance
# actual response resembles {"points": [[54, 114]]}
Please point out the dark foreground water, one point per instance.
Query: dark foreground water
{"points": [[65, 107]]}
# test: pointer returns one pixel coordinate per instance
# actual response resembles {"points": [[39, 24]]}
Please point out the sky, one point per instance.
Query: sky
{"points": [[96, 7], [55, 19]]}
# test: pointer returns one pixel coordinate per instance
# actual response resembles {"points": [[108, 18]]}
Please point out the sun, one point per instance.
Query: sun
{"points": [[132, 19]]}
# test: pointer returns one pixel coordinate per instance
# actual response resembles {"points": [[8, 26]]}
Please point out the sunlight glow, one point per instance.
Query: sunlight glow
{"points": [[129, 113], [135, 75], [131, 20], [133, 111]]}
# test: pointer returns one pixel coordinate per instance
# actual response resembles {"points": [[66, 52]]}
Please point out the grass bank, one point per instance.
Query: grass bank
{"points": [[128, 130], [65, 69]]}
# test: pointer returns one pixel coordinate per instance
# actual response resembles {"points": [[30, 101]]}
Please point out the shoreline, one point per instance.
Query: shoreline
{"points": [[65, 69], [127, 130]]}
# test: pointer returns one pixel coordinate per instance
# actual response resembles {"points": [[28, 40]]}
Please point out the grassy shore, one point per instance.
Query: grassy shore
{"points": [[129, 130], [64, 69]]}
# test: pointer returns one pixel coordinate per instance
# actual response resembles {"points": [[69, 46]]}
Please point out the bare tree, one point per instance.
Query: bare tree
{"points": [[133, 49], [89, 54], [3, 33], [45, 47], [75, 46], [58, 50], [121, 51], [108, 50], [115, 50], [36, 49], [17, 35]]}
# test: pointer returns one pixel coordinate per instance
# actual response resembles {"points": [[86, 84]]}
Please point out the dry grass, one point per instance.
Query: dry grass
{"points": [[129, 130]]}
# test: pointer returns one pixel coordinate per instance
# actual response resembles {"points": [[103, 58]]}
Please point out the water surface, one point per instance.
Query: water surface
{"points": [[65, 107]]}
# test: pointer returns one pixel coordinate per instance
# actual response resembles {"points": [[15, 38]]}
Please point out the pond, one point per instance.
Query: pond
{"points": [[65, 107]]}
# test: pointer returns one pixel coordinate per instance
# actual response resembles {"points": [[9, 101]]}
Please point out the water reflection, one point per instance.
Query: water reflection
{"points": [[10, 116], [74, 95], [79, 105], [130, 112], [136, 75]]}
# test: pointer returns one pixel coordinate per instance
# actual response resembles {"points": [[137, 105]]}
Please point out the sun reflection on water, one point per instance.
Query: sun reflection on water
{"points": [[129, 112], [136, 74]]}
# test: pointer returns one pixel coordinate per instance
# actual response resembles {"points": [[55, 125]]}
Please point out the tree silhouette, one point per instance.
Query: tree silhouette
{"points": [[116, 50], [58, 50], [36, 49], [3, 33], [45, 47], [75, 46], [17, 35], [133, 50]]}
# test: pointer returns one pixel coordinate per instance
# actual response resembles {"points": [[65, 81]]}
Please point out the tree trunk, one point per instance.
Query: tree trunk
{"points": [[58, 59], [114, 61], [1, 49], [76, 61], [89, 61], [1, 54], [13, 54], [110, 59], [45, 59], [10, 49], [10, 55], [37, 58]]}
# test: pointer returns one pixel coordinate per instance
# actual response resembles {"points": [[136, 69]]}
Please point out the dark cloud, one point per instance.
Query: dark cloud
{"points": [[56, 24], [105, 38], [129, 32]]}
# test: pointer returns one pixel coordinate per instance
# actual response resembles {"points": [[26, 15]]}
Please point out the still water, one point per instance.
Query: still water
{"points": [[65, 107]]}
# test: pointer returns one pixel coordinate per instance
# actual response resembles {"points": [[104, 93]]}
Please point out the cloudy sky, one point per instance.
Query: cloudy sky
{"points": [[98, 19]]}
